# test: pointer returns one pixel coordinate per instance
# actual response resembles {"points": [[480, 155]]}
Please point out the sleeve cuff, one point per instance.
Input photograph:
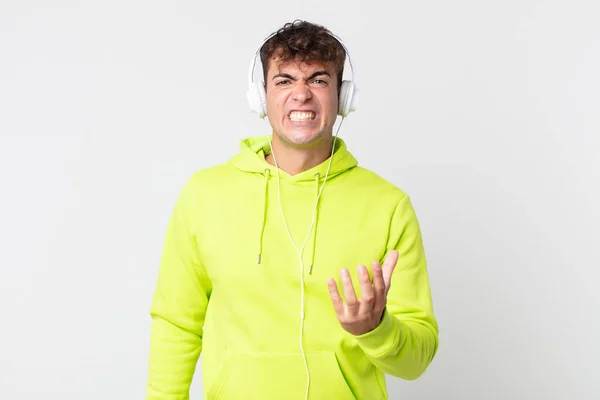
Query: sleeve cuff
{"points": [[385, 336]]}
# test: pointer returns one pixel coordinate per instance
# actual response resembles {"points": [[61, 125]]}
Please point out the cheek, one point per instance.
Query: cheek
{"points": [[275, 104], [333, 108], [334, 102]]}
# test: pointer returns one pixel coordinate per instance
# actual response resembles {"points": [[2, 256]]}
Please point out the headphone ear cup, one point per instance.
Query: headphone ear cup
{"points": [[263, 98], [257, 99], [348, 98]]}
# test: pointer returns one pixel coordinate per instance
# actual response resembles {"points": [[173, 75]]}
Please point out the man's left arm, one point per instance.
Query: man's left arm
{"points": [[393, 321], [406, 339]]}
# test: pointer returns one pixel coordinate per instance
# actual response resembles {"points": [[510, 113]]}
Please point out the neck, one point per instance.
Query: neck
{"points": [[293, 159]]}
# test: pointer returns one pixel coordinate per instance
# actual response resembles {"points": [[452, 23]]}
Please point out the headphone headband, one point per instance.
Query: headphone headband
{"points": [[256, 53]]}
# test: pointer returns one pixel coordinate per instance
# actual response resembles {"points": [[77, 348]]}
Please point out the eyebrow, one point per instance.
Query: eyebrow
{"points": [[313, 75]]}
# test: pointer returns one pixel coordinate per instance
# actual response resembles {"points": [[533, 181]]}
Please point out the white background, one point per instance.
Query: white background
{"points": [[486, 113]]}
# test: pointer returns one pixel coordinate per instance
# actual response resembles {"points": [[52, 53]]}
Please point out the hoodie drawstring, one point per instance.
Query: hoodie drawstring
{"points": [[312, 257], [264, 216]]}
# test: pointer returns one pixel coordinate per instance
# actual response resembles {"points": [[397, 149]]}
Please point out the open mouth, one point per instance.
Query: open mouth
{"points": [[302, 116]]}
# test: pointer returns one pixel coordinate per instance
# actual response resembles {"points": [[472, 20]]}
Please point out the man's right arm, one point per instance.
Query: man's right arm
{"points": [[178, 307]]}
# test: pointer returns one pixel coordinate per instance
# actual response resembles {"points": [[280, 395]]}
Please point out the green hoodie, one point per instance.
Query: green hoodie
{"points": [[229, 284]]}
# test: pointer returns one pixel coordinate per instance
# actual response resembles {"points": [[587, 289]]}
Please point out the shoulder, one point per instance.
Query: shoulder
{"points": [[205, 180], [367, 180]]}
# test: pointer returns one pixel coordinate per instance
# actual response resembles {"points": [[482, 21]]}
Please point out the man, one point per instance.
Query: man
{"points": [[259, 267]]}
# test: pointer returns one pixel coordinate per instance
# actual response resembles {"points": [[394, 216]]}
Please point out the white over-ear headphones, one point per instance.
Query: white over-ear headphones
{"points": [[257, 97]]}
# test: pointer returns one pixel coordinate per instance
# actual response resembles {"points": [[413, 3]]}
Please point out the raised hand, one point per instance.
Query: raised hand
{"points": [[364, 315]]}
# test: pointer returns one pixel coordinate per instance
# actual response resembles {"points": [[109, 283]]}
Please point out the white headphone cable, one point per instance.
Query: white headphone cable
{"points": [[301, 251]]}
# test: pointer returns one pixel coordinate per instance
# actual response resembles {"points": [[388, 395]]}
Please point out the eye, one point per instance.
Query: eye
{"points": [[320, 82], [282, 82]]}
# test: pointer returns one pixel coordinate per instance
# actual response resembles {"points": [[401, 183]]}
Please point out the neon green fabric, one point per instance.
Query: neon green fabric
{"points": [[214, 297]]}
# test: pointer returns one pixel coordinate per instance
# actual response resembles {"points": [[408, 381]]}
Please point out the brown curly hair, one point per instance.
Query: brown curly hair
{"points": [[305, 42]]}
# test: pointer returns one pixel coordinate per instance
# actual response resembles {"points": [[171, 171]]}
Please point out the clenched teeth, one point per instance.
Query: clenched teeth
{"points": [[302, 116]]}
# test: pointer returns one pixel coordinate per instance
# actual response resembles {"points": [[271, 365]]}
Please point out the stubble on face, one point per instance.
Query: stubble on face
{"points": [[311, 95]]}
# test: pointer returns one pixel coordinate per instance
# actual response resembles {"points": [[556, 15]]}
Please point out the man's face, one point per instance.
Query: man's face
{"points": [[302, 101]]}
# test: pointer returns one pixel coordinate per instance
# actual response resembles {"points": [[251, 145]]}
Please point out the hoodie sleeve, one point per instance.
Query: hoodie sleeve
{"points": [[178, 306], [406, 340]]}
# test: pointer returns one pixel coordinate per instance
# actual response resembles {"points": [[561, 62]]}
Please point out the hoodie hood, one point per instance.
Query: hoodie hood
{"points": [[251, 159], [254, 150]]}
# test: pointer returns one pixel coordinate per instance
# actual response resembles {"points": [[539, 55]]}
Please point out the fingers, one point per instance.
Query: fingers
{"points": [[388, 268], [349, 293], [336, 299], [378, 286], [367, 296], [373, 293]]}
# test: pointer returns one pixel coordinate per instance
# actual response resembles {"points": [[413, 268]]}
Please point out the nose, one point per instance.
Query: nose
{"points": [[301, 92]]}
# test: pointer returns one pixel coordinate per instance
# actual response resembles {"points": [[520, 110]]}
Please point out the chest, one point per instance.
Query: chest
{"points": [[346, 232]]}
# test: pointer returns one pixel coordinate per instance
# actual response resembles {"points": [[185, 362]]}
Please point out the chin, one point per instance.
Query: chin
{"points": [[302, 138]]}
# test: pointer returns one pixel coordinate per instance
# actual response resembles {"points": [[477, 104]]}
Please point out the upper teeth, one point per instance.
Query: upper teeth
{"points": [[302, 116]]}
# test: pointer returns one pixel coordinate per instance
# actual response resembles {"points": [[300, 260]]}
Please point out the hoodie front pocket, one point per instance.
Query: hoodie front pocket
{"points": [[268, 376]]}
